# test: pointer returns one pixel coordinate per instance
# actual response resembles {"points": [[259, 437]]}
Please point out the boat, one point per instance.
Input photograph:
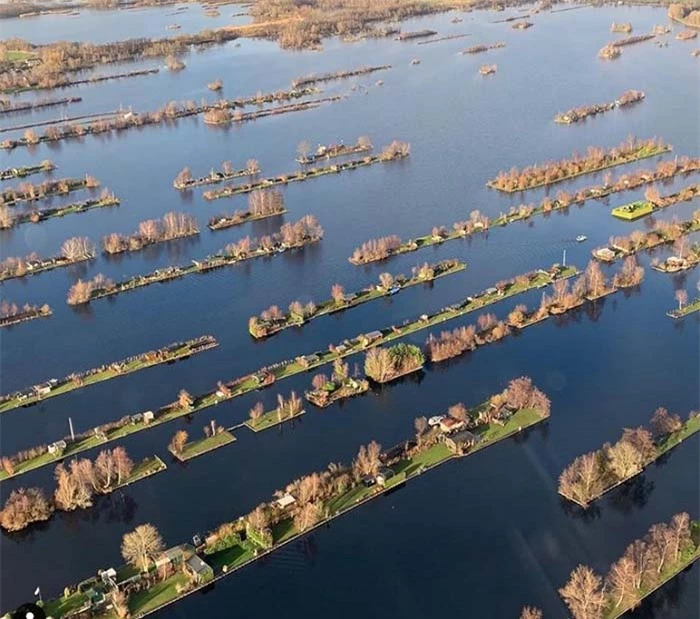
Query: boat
{"points": [[581, 238], [393, 290]]}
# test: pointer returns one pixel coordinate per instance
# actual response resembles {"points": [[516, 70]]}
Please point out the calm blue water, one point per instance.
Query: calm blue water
{"points": [[489, 531]]}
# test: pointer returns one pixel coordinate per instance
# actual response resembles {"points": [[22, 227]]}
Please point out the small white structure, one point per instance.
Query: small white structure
{"points": [[285, 501]]}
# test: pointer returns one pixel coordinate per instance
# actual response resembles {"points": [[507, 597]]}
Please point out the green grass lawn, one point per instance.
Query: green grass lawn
{"points": [[231, 557], [269, 420], [16, 55], [690, 427], [204, 445], [688, 308], [134, 365], [145, 468], [162, 592], [62, 606], [633, 211], [520, 419]]}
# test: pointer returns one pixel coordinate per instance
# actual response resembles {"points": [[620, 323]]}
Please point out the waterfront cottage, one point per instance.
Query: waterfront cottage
{"points": [[201, 571], [57, 448], [172, 556], [462, 441], [450, 424], [384, 475]]}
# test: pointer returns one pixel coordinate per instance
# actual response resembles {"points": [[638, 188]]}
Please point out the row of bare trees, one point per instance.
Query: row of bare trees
{"points": [[662, 232], [171, 226], [385, 364], [76, 486], [72, 250], [595, 158], [297, 234], [26, 191], [12, 310], [82, 291], [261, 203], [644, 565], [592, 474]]}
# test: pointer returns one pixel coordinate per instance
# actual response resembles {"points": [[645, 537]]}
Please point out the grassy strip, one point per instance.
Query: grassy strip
{"points": [[60, 211], [690, 427], [358, 298], [23, 171], [688, 308], [300, 175], [145, 468], [15, 319], [125, 366], [229, 222], [686, 560], [268, 420], [261, 379], [642, 208], [644, 153], [204, 445], [43, 265]]}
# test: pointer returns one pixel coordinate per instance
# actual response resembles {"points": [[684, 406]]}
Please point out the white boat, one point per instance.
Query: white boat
{"points": [[581, 238]]}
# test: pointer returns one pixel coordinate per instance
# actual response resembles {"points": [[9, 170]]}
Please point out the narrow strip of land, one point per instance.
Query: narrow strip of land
{"points": [[77, 380]]}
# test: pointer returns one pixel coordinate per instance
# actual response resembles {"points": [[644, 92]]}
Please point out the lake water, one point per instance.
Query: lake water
{"points": [[486, 535]]}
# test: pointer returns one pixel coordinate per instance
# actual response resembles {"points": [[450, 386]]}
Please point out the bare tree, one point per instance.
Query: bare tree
{"points": [[123, 465], [77, 248], [421, 425], [583, 594], [178, 442], [141, 545], [530, 612], [681, 297]]}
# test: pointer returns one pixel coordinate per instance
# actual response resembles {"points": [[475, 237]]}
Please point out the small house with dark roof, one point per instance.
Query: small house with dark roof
{"points": [[201, 571], [459, 442]]}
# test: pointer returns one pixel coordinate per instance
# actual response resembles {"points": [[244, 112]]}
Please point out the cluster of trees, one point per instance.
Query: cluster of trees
{"points": [[662, 232], [72, 250], [12, 310], [81, 291], [35, 191], [685, 14], [624, 27], [174, 63], [306, 230], [594, 159], [326, 390], [305, 24], [171, 226], [644, 565], [385, 364], [396, 150], [631, 274], [185, 180], [454, 343], [376, 249], [76, 486], [591, 474], [261, 203]]}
